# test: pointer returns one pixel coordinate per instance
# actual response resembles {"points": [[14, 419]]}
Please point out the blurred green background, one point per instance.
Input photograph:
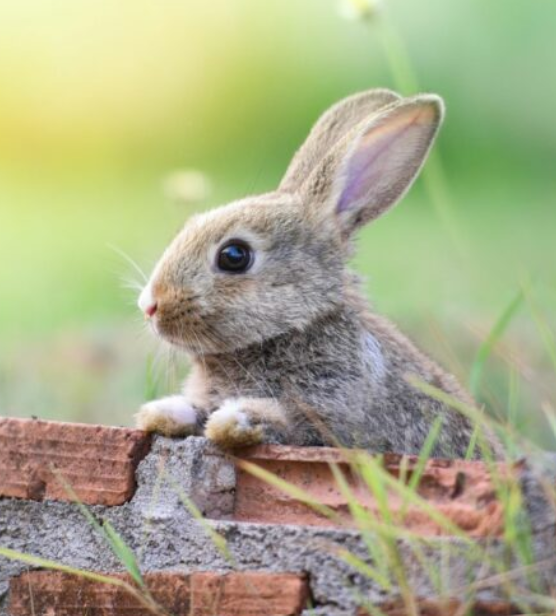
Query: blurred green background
{"points": [[119, 119]]}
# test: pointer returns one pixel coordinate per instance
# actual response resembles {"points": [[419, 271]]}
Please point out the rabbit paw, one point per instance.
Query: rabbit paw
{"points": [[171, 416], [230, 426]]}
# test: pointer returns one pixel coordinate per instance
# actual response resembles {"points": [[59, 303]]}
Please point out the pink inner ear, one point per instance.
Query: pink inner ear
{"points": [[362, 171], [369, 158]]}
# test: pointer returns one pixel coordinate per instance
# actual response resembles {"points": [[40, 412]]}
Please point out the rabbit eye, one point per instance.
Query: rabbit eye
{"points": [[234, 257]]}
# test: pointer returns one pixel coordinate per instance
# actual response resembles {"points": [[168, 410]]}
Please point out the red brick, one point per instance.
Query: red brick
{"points": [[98, 462], [248, 594], [461, 490], [198, 594], [50, 593]]}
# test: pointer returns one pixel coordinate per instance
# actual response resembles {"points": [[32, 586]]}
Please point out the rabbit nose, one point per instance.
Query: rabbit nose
{"points": [[147, 303], [150, 311]]}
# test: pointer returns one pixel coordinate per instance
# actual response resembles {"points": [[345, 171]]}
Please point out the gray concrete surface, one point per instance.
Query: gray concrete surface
{"points": [[159, 527]]}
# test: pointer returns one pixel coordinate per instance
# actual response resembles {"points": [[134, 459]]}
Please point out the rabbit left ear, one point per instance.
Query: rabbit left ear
{"points": [[330, 128], [376, 163]]}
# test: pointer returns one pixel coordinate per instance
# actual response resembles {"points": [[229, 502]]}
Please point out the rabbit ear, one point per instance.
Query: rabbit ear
{"points": [[371, 169], [328, 131]]}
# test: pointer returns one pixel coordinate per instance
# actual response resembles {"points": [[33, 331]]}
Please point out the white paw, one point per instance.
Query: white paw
{"points": [[171, 416], [230, 426]]}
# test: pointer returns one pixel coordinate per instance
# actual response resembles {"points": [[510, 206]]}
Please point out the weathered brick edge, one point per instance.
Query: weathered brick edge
{"points": [[180, 594], [98, 462], [463, 491]]}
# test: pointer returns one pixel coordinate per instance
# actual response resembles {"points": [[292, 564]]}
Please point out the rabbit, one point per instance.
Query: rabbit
{"points": [[284, 349]]}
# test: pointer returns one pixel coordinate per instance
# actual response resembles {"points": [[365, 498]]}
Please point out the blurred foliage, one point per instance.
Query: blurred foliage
{"points": [[106, 108]]}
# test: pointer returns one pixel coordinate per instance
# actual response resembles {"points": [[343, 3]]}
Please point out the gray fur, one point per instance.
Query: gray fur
{"points": [[288, 352], [337, 393]]}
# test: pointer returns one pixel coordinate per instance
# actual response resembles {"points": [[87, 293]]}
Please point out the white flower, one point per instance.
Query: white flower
{"points": [[187, 186], [359, 9]]}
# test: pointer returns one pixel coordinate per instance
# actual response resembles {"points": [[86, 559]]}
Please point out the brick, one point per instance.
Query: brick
{"points": [[461, 490], [98, 462], [50, 593], [248, 594], [197, 594]]}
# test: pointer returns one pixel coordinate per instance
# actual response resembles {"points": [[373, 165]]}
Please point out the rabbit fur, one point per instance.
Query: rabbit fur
{"points": [[288, 351]]}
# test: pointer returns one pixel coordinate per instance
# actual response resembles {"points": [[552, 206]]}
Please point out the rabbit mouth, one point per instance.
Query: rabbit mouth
{"points": [[188, 330], [187, 338]]}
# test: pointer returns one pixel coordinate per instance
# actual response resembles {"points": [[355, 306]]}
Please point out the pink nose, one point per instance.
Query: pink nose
{"points": [[151, 310]]}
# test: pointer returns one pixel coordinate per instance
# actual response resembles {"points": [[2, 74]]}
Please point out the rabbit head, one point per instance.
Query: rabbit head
{"points": [[268, 264]]}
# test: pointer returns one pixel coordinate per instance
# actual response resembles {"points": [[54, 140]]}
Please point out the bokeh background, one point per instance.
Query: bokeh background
{"points": [[120, 119]]}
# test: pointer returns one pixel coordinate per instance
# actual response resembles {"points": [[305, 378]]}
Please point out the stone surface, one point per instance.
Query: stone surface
{"points": [[196, 594], [182, 472], [98, 462], [447, 607], [461, 491]]}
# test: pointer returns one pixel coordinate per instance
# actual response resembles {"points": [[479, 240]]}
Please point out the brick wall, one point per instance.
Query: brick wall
{"points": [[281, 558]]}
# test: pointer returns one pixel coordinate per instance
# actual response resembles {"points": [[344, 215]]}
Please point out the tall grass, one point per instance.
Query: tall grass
{"points": [[507, 563]]}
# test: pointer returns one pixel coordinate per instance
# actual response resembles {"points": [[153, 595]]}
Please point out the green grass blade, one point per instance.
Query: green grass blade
{"points": [[141, 596], [364, 568], [364, 520], [43, 563], [433, 174], [550, 415], [123, 553], [425, 453], [470, 452], [513, 405], [152, 379], [494, 335], [119, 548], [545, 333], [217, 539], [385, 529], [289, 489], [373, 473]]}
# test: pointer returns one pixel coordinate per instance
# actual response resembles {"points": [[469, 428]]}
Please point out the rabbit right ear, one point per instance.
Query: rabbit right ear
{"points": [[331, 127], [375, 164]]}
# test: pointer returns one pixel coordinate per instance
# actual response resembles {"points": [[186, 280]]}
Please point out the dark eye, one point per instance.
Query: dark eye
{"points": [[234, 257]]}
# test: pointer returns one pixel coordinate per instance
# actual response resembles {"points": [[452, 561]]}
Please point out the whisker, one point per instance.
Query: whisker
{"points": [[130, 261], [130, 284]]}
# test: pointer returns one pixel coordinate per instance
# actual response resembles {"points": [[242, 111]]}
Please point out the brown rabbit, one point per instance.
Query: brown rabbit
{"points": [[283, 347]]}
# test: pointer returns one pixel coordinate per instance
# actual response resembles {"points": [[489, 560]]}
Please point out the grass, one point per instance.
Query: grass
{"points": [[389, 543], [487, 346]]}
